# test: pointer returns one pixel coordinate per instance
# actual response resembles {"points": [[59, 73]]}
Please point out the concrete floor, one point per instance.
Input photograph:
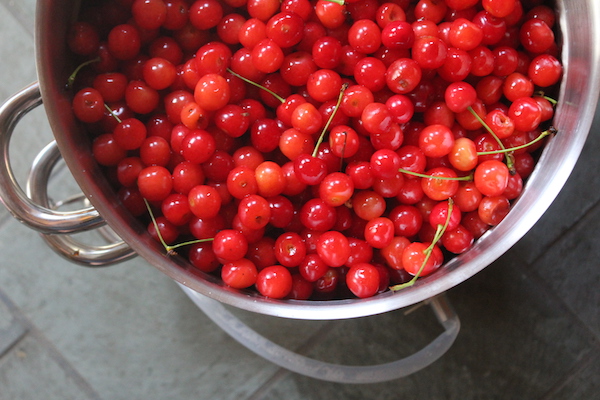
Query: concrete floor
{"points": [[530, 321]]}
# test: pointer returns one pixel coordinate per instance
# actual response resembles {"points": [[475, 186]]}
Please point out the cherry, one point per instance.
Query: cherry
{"points": [[333, 248], [330, 14], [491, 177], [492, 210], [128, 170], [403, 75], [285, 29], [536, 36], [465, 34], [141, 98], [212, 92], [309, 170], [436, 141], [124, 42], [458, 240], [439, 216], [370, 73], [230, 245], [525, 114], [205, 14], [241, 182], [336, 189], [149, 14], [363, 280], [204, 201], [323, 85], [544, 70], [415, 260], [317, 215], [155, 183], [429, 52], [290, 249], [88, 105], [267, 56], [441, 184], [202, 257], [459, 96], [239, 274], [463, 154], [163, 231], [130, 134], [379, 232], [274, 281], [83, 38]]}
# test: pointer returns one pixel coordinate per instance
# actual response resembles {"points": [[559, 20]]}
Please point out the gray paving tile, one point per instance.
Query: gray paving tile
{"points": [[29, 371], [583, 385], [23, 12], [568, 268], [11, 329], [18, 70], [515, 342]]}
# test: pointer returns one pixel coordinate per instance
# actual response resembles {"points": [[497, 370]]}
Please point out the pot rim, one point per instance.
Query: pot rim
{"points": [[577, 102]]}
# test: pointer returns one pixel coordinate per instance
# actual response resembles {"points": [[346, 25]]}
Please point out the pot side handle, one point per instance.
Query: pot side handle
{"points": [[115, 250], [334, 372], [36, 216]]}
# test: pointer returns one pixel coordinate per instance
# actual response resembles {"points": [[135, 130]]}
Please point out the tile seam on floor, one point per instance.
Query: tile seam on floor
{"points": [[571, 375], [14, 342], [547, 285], [53, 352], [315, 339]]}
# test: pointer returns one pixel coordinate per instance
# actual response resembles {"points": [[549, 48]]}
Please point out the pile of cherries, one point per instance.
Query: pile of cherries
{"points": [[316, 149]]}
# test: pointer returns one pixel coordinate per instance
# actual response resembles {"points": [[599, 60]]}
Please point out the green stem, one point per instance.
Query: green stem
{"points": [[439, 232], [112, 113], [486, 126], [170, 248], [326, 127], [71, 79], [509, 157], [550, 99], [542, 135], [447, 178], [272, 93]]}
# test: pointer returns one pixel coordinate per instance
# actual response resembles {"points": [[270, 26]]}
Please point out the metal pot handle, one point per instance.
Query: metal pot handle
{"points": [[116, 250], [327, 371], [34, 215]]}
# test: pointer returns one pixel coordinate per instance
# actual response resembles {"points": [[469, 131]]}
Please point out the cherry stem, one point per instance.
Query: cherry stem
{"points": [[340, 2], [272, 93], [112, 113], [326, 127], [170, 248], [542, 135], [509, 157], [71, 79], [447, 178], [550, 99], [439, 232]]}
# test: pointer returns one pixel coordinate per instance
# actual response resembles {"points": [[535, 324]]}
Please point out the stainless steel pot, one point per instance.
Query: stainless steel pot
{"points": [[580, 27]]}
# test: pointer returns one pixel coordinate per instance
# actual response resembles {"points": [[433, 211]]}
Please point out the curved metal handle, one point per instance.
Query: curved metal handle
{"points": [[34, 215], [327, 371], [66, 246]]}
